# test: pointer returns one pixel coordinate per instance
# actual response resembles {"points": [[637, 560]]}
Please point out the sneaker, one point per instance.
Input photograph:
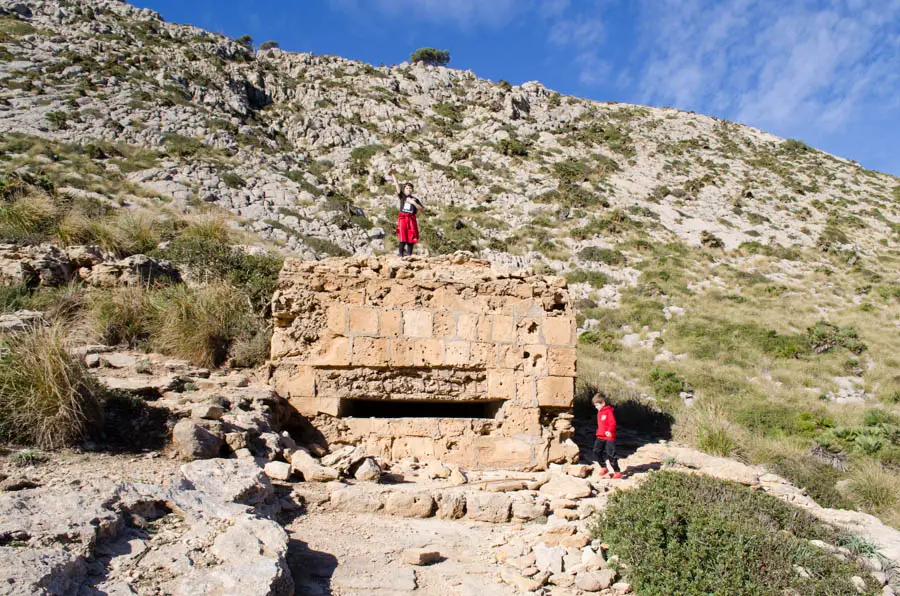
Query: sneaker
{"points": [[617, 475], [603, 472]]}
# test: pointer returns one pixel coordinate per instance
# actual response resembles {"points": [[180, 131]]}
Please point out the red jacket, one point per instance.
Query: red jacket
{"points": [[606, 422]]}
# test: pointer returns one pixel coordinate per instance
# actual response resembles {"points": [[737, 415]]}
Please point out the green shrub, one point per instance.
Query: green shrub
{"points": [[817, 478], [593, 278], [47, 398], [269, 45], [667, 384], [709, 240], [830, 237], [181, 146], [695, 535], [324, 246], [27, 218], [210, 259], [571, 171], [715, 440], [431, 56], [824, 337], [233, 180], [875, 489], [13, 297], [512, 147], [607, 340], [728, 342], [601, 255]]}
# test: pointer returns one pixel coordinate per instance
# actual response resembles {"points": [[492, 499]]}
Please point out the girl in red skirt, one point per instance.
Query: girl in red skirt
{"points": [[407, 226]]}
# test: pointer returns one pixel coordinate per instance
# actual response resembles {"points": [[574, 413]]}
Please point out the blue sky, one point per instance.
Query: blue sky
{"points": [[826, 72]]}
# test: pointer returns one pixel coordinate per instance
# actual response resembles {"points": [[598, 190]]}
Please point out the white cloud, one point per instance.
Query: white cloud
{"points": [[463, 13], [583, 33], [770, 63]]}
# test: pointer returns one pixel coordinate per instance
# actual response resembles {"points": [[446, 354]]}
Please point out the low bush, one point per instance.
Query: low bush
{"points": [[210, 259], [875, 490], [431, 56], [817, 478], [695, 535], [595, 279], [823, 337], [13, 297], [667, 384], [601, 255], [607, 341], [47, 398]]}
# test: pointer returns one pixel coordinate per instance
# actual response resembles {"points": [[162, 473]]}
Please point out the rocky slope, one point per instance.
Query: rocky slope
{"points": [[298, 145]]}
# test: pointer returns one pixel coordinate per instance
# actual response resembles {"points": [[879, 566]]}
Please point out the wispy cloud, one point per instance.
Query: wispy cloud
{"points": [[771, 62], [463, 13], [579, 29]]}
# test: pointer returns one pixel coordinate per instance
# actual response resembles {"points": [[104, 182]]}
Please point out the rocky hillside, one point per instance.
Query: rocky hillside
{"points": [[298, 145], [745, 283]]}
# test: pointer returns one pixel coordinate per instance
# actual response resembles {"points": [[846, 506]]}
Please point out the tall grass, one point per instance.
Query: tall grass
{"points": [[201, 323], [876, 490], [122, 316], [47, 398]]}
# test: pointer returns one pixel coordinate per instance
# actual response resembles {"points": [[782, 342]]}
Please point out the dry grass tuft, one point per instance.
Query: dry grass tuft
{"points": [[47, 398]]}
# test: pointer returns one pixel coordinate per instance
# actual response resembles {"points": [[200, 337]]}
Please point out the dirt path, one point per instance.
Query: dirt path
{"points": [[345, 554]]}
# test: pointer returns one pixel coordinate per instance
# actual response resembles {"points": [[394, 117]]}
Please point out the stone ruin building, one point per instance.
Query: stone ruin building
{"points": [[437, 358]]}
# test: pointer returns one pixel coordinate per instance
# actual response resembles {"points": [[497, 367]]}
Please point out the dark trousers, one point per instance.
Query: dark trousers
{"points": [[406, 249], [606, 451]]}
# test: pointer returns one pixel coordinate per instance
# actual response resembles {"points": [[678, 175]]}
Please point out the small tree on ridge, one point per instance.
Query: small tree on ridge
{"points": [[431, 56]]}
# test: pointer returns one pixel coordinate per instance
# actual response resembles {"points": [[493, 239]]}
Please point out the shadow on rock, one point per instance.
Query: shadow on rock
{"points": [[312, 570]]}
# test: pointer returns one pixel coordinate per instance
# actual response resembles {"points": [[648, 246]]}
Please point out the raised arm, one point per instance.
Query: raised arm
{"points": [[393, 179]]}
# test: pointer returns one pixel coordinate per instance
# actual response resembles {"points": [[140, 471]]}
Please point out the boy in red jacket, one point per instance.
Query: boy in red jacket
{"points": [[605, 445]]}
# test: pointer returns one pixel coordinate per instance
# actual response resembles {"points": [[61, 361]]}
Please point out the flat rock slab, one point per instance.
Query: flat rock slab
{"points": [[373, 577], [26, 571], [231, 480]]}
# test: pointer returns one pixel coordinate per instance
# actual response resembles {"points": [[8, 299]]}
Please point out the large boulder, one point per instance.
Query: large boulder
{"points": [[33, 266], [135, 270]]}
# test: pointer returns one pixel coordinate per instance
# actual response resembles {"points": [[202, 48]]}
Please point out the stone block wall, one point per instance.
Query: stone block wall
{"points": [[368, 348]]}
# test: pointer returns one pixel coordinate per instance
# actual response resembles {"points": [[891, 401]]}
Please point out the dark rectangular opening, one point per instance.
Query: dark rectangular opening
{"points": [[383, 408]]}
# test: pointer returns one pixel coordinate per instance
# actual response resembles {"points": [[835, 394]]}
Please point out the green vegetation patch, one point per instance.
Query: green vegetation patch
{"points": [[695, 535], [210, 259]]}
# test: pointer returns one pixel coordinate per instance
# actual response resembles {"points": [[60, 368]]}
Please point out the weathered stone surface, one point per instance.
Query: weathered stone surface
{"points": [[251, 556], [312, 471], [563, 486], [451, 505], [232, 480], [487, 507], [368, 471], [278, 470], [27, 571], [194, 441], [549, 558], [350, 333], [409, 504]]}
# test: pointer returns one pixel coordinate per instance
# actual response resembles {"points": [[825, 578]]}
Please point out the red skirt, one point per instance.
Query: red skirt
{"points": [[407, 228]]}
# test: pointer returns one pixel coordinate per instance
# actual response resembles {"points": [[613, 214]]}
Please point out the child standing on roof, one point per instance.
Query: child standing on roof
{"points": [[407, 225], [605, 444]]}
